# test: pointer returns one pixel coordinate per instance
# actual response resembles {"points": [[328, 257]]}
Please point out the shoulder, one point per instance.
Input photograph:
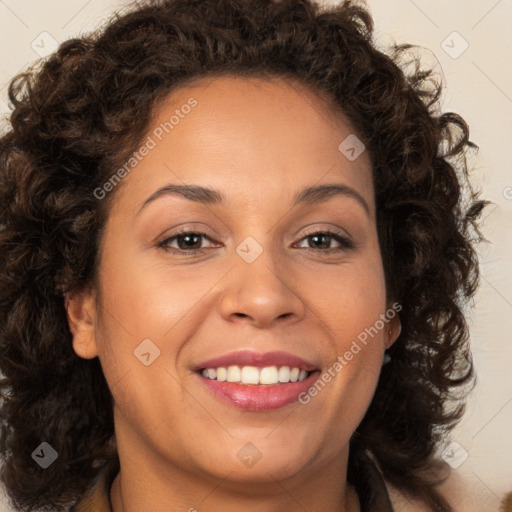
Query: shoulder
{"points": [[461, 494]]}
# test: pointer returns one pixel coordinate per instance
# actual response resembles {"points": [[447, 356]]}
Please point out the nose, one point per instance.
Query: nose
{"points": [[261, 294]]}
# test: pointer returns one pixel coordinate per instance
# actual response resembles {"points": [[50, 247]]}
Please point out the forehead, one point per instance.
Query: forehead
{"points": [[252, 99], [249, 135]]}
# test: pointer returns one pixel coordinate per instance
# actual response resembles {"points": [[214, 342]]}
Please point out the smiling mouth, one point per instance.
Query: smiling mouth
{"points": [[257, 389], [256, 376]]}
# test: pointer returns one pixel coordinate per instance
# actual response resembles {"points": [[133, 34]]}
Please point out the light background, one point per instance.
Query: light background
{"points": [[478, 87]]}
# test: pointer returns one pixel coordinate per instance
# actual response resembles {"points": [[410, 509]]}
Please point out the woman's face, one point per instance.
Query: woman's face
{"points": [[266, 278]]}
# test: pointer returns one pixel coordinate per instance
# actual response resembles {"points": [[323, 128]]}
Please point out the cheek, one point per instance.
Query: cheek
{"points": [[355, 313], [151, 298], [355, 304], [148, 314]]}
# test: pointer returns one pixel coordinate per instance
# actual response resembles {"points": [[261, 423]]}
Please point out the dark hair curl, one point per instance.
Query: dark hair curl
{"points": [[79, 114]]}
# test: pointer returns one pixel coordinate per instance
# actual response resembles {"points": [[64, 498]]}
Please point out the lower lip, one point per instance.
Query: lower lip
{"points": [[259, 398]]}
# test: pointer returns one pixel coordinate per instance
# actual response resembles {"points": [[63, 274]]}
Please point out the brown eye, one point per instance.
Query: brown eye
{"points": [[187, 242], [322, 240]]}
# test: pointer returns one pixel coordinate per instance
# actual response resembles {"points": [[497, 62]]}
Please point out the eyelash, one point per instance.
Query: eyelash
{"points": [[345, 243]]}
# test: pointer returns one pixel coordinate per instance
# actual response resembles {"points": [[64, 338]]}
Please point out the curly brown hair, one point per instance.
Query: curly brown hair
{"points": [[80, 113]]}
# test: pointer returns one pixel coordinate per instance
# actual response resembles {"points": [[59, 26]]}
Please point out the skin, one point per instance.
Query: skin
{"points": [[259, 142]]}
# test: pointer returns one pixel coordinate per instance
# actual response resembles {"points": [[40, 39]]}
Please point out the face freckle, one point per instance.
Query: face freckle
{"points": [[256, 179]]}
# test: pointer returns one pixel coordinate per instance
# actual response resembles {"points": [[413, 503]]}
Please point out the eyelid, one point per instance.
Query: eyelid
{"points": [[331, 228]]}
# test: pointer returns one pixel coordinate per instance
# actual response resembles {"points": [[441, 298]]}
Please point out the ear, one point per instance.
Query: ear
{"points": [[81, 312], [393, 330]]}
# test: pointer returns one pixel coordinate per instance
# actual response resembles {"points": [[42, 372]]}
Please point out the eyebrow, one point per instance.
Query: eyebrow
{"points": [[206, 195]]}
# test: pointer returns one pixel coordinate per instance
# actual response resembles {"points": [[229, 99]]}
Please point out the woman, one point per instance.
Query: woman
{"points": [[237, 245]]}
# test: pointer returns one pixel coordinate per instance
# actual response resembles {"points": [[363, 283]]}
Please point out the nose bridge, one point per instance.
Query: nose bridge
{"points": [[259, 287]]}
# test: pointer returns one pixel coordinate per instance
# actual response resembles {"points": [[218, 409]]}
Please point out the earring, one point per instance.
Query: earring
{"points": [[387, 357]]}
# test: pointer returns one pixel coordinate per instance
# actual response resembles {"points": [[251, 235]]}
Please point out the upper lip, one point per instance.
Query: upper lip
{"points": [[258, 359]]}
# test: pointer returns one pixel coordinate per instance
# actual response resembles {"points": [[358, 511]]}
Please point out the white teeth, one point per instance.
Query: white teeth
{"points": [[269, 375], [234, 374], [303, 375], [284, 374], [250, 375], [222, 374]]}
